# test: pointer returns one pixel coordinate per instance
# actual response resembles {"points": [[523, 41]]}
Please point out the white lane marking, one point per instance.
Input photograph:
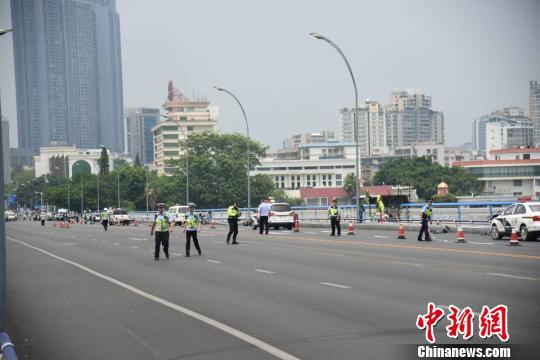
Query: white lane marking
{"points": [[134, 247], [214, 261], [93, 239], [217, 242], [175, 254], [332, 254], [326, 231], [406, 263], [116, 244], [218, 325], [311, 232], [479, 243], [103, 241], [382, 236], [277, 248], [137, 239], [335, 285], [244, 244], [513, 276], [264, 271]]}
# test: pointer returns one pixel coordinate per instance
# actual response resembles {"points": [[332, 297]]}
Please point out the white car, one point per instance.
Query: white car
{"points": [[281, 214], [120, 217], [178, 212], [10, 215], [524, 217]]}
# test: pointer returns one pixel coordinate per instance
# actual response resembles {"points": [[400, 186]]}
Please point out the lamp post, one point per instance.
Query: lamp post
{"points": [[247, 150], [146, 188], [67, 180], [82, 196], [41, 196], [357, 157], [187, 154], [2, 227]]}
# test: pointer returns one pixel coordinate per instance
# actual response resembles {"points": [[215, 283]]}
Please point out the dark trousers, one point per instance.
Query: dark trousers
{"points": [[192, 235], [162, 238], [42, 222], [424, 230], [263, 223], [334, 221], [105, 223], [233, 230]]}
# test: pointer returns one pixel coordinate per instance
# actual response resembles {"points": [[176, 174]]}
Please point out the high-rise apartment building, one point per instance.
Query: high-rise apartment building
{"points": [[185, 117], [6, 151], [68, 73], [410, 119], [534, 109], [371, 128], [140, 140]]}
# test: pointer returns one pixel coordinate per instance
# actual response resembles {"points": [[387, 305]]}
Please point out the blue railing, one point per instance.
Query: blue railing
{"points": [[7, 349]]}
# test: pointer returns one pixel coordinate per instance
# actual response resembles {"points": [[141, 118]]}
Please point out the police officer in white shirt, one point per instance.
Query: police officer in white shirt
{"points": [[264, 212]]}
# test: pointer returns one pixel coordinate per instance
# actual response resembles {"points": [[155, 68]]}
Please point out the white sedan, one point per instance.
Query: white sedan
{"points": [[524, 217]]}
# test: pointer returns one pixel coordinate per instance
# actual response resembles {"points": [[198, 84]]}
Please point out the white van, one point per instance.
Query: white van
{"points": [[178, 212]]}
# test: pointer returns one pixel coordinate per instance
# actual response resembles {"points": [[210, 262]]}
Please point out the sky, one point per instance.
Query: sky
{"points": [[471, 56]]}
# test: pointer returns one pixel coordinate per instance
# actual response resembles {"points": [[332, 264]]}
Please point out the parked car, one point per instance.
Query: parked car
{"points": [[10, 215], [178, 212], [96, 216], [120, 217], [524, 217], [281, 215]]}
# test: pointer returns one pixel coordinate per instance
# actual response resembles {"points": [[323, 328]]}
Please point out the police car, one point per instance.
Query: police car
{"points": [[281, 214], [524, 217]]}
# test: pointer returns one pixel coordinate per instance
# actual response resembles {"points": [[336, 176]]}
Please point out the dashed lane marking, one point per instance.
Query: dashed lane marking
{"points": [[137, 239], [335, 285], [264, 271], [512, 276], [406, 263], [134, 247], [331, 254], [280, 354], [381, 236], [214, 261]]}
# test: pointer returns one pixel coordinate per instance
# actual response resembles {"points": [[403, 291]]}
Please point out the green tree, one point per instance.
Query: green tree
{"points": [[349, 184], [103, 162], [425, 175]]}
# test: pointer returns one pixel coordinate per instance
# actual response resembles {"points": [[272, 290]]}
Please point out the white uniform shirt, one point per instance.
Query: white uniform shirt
{"points": [[264, 209]]}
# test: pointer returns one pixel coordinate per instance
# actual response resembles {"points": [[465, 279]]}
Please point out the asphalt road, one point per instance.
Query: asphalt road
{"points": [[81, 293]]}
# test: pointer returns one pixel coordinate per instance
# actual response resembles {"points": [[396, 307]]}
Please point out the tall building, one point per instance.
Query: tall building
{"points": [[68, 73], [410, 119], [185, 117], [139, 124], [6, 151], [534, 109], [371, 128]]}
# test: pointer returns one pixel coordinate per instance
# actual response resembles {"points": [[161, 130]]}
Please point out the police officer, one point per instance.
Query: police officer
{"points": [[264, 212], [192, 226], [43, 217], [105, 218], [426, 217], [163, 225], [233, 214], [334, 214]]}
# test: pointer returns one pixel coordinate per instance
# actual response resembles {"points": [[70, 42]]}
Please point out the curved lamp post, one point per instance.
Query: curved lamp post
{"points": [[247, 151], [357, 158]]}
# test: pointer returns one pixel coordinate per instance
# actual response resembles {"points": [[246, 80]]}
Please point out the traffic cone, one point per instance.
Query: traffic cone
{"points": [[351, 229], [135, 223], [514, 241], [296, 226], [460, 235], [212, 225], [401, 233]]}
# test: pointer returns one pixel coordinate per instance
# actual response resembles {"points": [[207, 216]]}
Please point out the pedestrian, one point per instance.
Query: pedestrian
{"points": [[233, 215], [105, 219], [264, 212], [192, 226], [426, 217], [163, 225], [43, 217], [334, 214]]}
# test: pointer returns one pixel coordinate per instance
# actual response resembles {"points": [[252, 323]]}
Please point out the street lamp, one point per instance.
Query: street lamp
{"points": [[41, 195], [2, 229], [247, 151], [357, 157], [187, 154]]}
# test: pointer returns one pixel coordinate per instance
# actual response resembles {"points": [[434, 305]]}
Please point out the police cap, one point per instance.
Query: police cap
{"points": [[160, 205]]}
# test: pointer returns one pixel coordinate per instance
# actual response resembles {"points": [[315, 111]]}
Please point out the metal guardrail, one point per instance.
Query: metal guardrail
{"points": [[7, 349]]}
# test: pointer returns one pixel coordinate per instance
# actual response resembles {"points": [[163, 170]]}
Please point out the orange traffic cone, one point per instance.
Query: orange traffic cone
{"points": [[514, 241], [401, 233], [297, 226], [460, 235], [351, 229], [135, 223]]}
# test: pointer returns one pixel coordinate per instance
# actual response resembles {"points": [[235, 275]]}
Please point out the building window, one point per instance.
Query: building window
{"points": [[519, 193], [537, 182], [526, 156], [324, 180], [339, 180], [518, 183]]}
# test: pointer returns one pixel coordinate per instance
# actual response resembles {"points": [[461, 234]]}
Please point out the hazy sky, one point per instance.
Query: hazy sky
{"points": [[471, 56]]}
